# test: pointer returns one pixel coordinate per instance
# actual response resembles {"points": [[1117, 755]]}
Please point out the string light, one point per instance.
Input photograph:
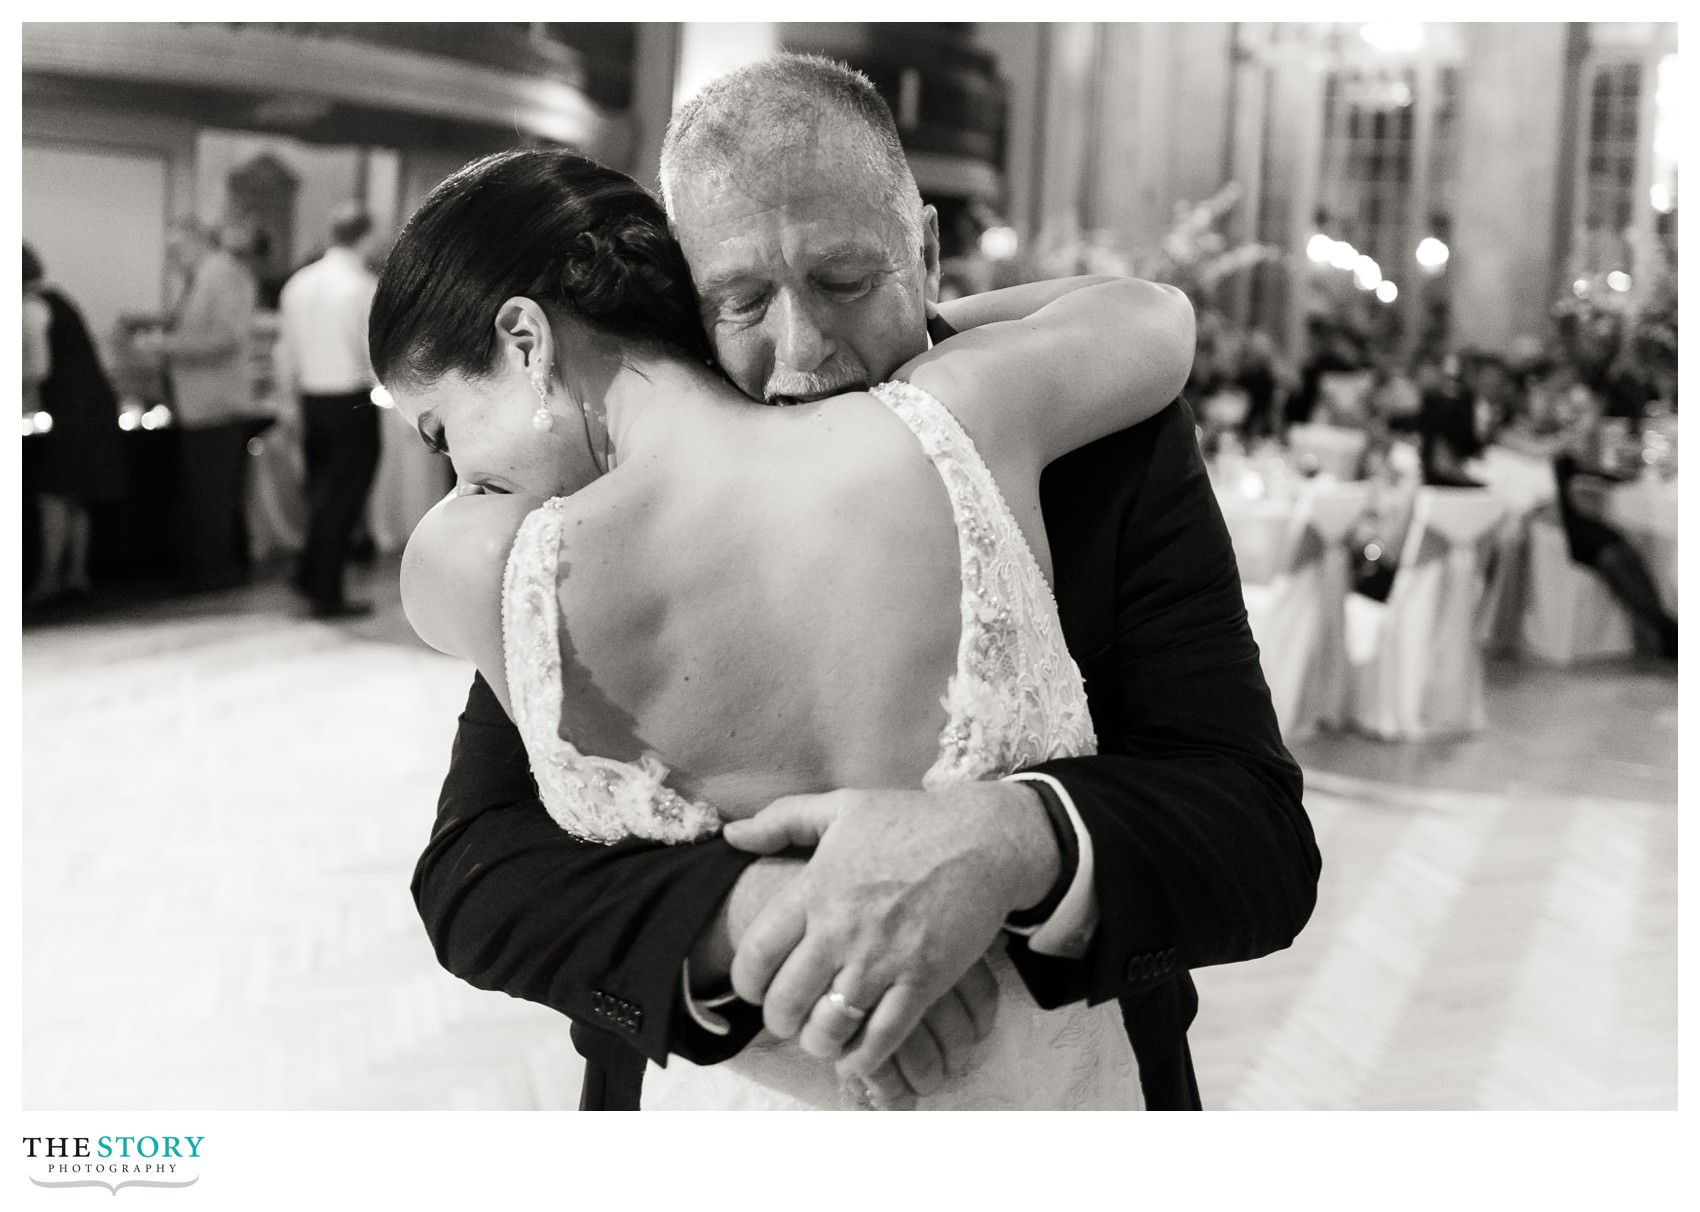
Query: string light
{"points": [[999, 243], [1386, 292], [1432, 254]]}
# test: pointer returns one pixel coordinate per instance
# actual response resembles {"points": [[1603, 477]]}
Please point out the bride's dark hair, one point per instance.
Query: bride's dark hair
{"points": [[578, 238]]}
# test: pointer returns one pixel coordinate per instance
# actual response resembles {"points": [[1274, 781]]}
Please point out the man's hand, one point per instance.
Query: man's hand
{"points": [[906, 890]]}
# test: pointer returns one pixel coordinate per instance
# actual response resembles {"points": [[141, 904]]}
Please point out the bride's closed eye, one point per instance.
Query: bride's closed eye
{"points": [[476, 488]]}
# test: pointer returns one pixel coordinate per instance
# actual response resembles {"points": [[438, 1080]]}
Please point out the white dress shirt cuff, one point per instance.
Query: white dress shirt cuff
{"points": [[1069, 929], [702, 1009]]}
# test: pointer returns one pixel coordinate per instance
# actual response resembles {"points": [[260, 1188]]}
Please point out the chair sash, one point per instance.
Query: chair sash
{"points": [[1567, 614], [1417, 667], [1299, 618], [1500, 617]]}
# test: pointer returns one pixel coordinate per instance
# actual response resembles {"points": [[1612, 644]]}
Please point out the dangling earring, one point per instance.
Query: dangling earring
{"points": [[542, 420]]}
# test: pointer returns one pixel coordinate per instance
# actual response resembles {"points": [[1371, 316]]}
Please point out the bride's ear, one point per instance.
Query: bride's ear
{"points": [[524, 337]]}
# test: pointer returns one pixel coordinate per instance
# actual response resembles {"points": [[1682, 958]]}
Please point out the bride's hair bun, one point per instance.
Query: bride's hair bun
{"points": [[627, 276], [548, 225]]}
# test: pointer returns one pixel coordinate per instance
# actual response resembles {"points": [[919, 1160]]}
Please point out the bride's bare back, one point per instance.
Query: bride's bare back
{"points": [[771, 604]]}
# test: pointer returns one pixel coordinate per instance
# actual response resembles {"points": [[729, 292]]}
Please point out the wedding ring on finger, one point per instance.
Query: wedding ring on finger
{"points": [[843, 1005], [834, 1021]]}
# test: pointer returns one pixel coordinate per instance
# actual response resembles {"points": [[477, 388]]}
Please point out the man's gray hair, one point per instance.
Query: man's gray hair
{"points": [[779, 102]]}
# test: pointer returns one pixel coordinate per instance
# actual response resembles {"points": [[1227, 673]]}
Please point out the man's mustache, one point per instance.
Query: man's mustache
{"points": [[837, 374]]}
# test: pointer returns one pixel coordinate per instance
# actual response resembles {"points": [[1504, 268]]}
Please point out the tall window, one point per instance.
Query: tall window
{"points": [[1624, 192], [1367, 155], [1613, 147]]}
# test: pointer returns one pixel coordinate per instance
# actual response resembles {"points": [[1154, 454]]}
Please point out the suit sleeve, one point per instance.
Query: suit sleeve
{"points": [[1203, 853], [599, 933]]}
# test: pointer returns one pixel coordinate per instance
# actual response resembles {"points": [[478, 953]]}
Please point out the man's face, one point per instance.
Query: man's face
{"points": [[808, 285]]}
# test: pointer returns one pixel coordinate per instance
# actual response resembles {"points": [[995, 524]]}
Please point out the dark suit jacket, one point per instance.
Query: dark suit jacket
{"points": [[1203, 853]]}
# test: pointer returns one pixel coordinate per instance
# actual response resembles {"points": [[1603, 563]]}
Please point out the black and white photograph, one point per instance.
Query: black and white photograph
{"points": [[844, 566]]}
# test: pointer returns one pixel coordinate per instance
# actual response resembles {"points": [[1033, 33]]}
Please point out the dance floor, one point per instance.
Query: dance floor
{"points": [[223, 801]]}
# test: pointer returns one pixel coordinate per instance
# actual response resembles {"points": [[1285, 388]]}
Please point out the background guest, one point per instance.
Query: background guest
{"points": [[206, 357], [1596, 544], [81, 462], [321, 356], [1331, 349], [1259, 376], [1395, 401], [1450, 428]]}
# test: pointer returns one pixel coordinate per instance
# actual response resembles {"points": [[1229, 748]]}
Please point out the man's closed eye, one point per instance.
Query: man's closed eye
{"points": [[846, 288], [746, 306]]}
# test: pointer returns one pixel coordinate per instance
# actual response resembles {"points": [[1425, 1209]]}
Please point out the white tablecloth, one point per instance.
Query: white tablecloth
{"points": [[1521, 481], [1645, 511]]}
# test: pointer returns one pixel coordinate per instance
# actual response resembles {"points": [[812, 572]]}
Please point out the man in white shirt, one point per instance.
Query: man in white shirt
{"points": [[322, 355]]}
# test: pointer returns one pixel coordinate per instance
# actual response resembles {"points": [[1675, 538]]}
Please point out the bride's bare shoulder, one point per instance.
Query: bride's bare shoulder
{"points": [[451, 574]]}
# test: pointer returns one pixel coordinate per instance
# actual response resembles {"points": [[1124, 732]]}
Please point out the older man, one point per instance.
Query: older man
{"points": [[206, 354], [1183, 843]]}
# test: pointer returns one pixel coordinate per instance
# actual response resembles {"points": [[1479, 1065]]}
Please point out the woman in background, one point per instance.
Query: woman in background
{"points": [[82, 463]]}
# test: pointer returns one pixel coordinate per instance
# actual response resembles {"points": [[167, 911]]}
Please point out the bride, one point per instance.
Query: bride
{"points": [[722, 604]]}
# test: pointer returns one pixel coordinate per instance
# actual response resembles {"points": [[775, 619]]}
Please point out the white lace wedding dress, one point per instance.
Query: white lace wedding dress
{"points": [[1016, 699]]}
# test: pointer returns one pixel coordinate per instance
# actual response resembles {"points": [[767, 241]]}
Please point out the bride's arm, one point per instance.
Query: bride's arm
{"points": [[451, 578], [1010, 302], [1052, 366]]}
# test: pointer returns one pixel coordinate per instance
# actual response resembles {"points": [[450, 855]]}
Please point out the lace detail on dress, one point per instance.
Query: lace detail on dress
{"points": [[1017, 697], [595, 799]]}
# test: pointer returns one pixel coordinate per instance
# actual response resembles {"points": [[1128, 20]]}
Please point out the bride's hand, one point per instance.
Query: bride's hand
{"points": [[942, 1046]]}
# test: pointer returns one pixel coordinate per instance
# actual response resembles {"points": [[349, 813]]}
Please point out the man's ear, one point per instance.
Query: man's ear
{"points": [[524, 338], [930, 251]]}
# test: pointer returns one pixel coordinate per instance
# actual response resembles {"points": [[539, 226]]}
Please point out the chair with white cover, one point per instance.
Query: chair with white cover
{"points": [[1299, 617], [1337, 450], [1568, 614], [1416, 664]]}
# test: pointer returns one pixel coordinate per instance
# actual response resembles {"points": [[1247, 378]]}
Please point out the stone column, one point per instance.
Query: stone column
{"points": [[655, 77], [1509, 146]]}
